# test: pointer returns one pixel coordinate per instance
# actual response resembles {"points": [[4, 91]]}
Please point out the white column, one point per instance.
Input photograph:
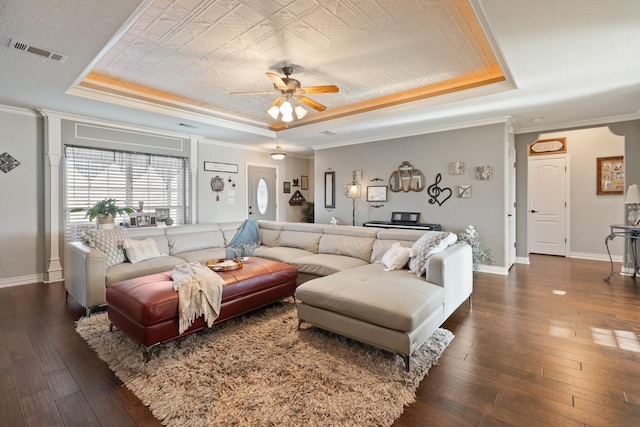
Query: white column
{"points": [[53, 271], [193, 169]]}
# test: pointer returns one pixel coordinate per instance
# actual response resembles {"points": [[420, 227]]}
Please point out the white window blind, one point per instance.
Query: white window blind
{"points": [[159, 182]]}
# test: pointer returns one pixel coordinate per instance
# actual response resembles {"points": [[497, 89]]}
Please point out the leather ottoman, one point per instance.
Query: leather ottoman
{"points": [[146, 308]]}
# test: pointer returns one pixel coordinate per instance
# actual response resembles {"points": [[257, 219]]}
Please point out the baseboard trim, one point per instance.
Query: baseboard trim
{"points": [[20, 280], [595, 257], [493, 270]]}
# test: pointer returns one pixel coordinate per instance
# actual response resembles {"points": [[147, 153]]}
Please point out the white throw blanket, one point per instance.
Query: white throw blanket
{"points": [[199, 293]]}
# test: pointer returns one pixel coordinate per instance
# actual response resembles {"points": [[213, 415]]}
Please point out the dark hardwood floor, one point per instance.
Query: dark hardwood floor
{"points": [[549, 344]]}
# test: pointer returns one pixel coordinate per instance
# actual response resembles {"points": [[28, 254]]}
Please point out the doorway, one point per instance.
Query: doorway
{"points": [[261, 192], [547, 181]]}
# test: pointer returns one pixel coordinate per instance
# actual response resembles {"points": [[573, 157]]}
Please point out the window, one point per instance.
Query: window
{"points": [[156, 182]]}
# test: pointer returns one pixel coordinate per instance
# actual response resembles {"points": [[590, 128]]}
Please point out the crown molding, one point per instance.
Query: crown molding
{"points": [[579, 123], [154, 107], [17, 110], [117, 125]]}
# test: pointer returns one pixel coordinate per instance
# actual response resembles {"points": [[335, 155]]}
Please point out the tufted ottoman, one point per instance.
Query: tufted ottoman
{"points": [[146, 308]]}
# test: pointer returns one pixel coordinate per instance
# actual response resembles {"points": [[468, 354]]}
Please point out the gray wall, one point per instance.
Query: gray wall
{"points": [[21, 192], [210, 210], [431, 153]]}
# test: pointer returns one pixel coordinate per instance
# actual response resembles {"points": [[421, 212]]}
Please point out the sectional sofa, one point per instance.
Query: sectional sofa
{"points": [[343, 285]]}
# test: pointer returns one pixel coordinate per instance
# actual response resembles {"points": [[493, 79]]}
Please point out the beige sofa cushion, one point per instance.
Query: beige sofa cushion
{"points": [[355, 247], [126, 270], [203, 255], [325, 264], [269, 237], [395, 299], [194, 237], [281, 254], [300, 239]]}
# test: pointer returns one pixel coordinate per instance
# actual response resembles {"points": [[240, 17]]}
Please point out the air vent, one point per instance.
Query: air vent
{"points": [[54, 56]]}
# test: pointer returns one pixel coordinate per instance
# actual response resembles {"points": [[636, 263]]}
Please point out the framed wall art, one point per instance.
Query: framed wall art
{"points": [[304, 182], [464, 191], [220, 167], [610, 175], [377, 193], [286, 187]]}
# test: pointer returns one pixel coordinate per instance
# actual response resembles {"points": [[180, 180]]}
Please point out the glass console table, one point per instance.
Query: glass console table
{"points": [[631, 232]]}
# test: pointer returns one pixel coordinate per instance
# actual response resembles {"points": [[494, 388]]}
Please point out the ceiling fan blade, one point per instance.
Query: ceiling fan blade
{"points": [[262, 92], [277, 81], [311, 103], [320, 89]]}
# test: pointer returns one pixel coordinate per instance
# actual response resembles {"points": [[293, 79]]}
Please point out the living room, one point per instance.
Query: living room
{"points": [[34, 130]]}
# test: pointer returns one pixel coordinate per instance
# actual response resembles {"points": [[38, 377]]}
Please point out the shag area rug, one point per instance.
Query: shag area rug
{"points": [[260, 370]]}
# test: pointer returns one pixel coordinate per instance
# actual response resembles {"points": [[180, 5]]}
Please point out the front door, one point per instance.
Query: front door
{"points": [[261, 191], [547, 206]]}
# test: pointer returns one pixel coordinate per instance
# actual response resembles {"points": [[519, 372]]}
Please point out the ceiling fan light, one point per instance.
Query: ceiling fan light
{"points": [[300, 112], [286, 109], [273, 112]]}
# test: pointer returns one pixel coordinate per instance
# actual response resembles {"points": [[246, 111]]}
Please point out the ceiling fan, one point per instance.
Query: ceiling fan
{"points": [[291, 93]]}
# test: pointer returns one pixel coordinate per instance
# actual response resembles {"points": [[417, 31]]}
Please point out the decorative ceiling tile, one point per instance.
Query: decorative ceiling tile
{"points": [[202, 50]]}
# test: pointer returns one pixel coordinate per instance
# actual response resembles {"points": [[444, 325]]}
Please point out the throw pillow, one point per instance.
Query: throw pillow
{"points": [[140, 250], [396, 257], [429, 244], [110, 242]]}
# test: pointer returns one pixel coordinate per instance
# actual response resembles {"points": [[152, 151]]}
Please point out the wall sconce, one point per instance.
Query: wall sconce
{"points": [[278, 155], [632, 199]]}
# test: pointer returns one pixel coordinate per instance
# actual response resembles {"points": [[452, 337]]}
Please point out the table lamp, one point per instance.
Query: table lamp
{"points": [[632, 199]]}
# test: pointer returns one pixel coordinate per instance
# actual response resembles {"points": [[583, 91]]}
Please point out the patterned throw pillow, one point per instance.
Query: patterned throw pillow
{"points": [[140, 250], [110, 242], [429, 244]]}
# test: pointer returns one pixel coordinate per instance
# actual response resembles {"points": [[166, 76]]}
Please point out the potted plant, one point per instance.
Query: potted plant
{"points": [[308, 212], [105, 211]]}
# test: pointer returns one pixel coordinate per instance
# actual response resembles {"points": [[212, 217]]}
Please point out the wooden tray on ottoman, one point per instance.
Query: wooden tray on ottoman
{"points": [[224, 264]]}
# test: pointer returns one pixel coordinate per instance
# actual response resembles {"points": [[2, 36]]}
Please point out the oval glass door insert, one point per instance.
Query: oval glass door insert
{"points": [[262, 196]]}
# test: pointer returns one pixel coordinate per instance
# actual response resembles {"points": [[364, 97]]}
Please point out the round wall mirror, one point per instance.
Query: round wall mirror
{"points": [[406, 178]]}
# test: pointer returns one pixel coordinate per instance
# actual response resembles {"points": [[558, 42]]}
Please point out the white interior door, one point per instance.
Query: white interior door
{"points": [[547, 205], [261, 192]]}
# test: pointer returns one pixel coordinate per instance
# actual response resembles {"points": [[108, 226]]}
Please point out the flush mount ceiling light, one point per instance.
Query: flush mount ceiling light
{"points": [[278, 155], [287, 107]]}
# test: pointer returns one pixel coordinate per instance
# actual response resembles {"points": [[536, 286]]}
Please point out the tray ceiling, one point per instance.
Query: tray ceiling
{"points": [[191, 54]]}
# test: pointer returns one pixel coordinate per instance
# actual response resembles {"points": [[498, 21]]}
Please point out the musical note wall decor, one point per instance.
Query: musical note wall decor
{"points": [[438, 194]]}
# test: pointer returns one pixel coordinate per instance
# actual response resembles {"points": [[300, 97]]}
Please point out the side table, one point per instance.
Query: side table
{"points": [[631, 232]]}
